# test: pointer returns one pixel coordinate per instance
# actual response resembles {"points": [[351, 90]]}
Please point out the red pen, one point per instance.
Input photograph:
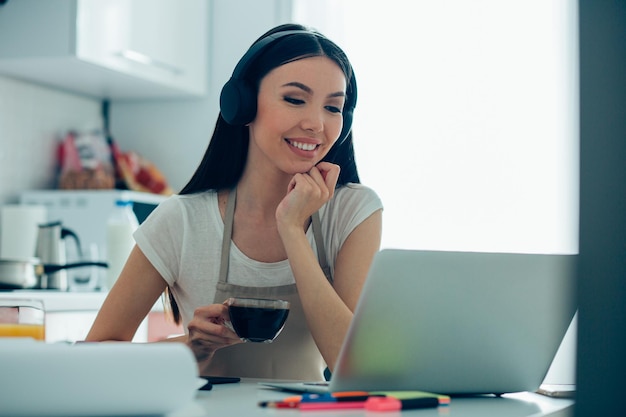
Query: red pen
{"points": [[279, 404], [334, 405]]}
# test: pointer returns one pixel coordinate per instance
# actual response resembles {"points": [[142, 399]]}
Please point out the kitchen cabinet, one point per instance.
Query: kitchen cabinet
{"points": [[114, 49]]}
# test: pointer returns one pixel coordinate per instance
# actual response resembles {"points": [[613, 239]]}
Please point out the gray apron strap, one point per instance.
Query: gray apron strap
{"points": [[229, 216], [319, 243]]}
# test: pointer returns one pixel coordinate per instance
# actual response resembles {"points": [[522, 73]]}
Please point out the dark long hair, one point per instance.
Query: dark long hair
{"points": [[225, 158]]}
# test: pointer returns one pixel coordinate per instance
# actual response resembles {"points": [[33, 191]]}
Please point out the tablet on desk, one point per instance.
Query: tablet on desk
{"points": [[558, 390], [320, 387]]}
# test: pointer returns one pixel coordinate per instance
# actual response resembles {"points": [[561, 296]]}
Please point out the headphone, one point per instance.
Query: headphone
{"points": [[238, 99]]}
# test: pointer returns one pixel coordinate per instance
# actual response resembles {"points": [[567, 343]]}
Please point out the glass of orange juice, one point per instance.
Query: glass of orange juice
{"points": [[22, 318]]}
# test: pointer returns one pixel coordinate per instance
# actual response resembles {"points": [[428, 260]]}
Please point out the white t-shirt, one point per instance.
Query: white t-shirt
{"points": [[182, 238]]}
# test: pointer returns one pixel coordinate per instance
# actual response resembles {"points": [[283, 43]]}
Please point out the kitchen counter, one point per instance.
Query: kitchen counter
{"points": [[56, 301], [69, 315]]}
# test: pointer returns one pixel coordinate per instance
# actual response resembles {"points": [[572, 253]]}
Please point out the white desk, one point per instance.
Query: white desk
{"points": [[242, 399]]}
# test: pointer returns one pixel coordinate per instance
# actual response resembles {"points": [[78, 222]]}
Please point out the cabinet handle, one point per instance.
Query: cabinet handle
{"points": [[140, 58]]}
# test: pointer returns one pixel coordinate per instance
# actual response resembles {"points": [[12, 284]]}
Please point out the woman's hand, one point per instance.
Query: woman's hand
{"points": [[306, 193], [208, 332]]}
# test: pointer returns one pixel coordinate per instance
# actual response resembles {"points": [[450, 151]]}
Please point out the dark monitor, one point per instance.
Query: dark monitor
{"points": [[601, 353]]}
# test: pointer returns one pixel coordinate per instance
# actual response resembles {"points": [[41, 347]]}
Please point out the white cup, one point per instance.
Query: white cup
{"points": [[18, 230]]}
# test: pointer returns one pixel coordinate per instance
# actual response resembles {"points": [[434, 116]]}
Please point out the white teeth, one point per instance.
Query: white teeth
{"points": [[303, 146]]}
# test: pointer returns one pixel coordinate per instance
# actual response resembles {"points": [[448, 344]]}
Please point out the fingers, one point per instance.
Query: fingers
{"points": [[324, 177], [306, 193], [330, 174], [208, 331], [211, 320]]}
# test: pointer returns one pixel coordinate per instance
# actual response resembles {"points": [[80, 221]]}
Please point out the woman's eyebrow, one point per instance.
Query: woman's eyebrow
{"points": [[308, 89], [299, 85]]}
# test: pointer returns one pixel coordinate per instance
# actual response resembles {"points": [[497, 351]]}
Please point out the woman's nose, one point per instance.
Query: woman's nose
{"points": [[313, 121]]}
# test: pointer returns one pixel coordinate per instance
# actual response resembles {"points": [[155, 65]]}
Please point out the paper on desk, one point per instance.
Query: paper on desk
{"points": [[94, 379]]}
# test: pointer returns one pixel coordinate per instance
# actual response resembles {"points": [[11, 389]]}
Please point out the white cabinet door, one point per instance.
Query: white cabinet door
{"points": [[118, 49], [159, 40]]}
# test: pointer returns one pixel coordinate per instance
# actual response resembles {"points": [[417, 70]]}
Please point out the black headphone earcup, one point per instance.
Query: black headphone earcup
{"points": [[237, 102]]}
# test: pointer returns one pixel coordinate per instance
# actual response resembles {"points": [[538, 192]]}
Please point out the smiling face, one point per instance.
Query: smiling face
{"points": [[299, 115]]}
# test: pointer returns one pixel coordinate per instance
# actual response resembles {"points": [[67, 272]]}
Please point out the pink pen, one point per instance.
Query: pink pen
{"points": [[335, 405], [393, 404]]}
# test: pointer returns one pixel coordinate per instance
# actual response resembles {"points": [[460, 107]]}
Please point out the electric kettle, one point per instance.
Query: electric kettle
{"points": [[51, 249]]}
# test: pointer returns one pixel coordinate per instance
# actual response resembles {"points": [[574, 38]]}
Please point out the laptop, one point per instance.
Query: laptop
{"points": [[457, 323]]}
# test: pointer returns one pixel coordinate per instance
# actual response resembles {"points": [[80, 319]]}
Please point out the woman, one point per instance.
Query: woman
{"points": [[282, 156]]}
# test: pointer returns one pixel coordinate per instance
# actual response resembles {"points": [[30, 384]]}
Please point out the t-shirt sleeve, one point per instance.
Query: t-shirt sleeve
{"points": [[160, 238], [352, 204], [356, 206]]}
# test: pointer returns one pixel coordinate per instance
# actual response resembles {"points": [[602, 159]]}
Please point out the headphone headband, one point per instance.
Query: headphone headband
{"points": [[257, 48], [238, 98]]}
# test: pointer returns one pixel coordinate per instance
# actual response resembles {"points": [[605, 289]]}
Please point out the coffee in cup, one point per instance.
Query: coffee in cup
{"points": [[256, 319]]}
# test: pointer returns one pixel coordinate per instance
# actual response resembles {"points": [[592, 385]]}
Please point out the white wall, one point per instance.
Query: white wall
{"points": [[174, 134], [31, 120], [467, 121]]}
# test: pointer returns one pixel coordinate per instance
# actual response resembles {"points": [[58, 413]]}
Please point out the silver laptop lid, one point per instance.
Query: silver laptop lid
{"points": [[457, 322]]}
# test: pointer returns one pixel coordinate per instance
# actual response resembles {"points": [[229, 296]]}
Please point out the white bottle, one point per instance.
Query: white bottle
{"points": [[121, 225]]}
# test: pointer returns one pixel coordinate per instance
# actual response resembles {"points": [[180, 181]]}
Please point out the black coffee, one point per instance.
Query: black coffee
{"points": [[257, 324]]}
